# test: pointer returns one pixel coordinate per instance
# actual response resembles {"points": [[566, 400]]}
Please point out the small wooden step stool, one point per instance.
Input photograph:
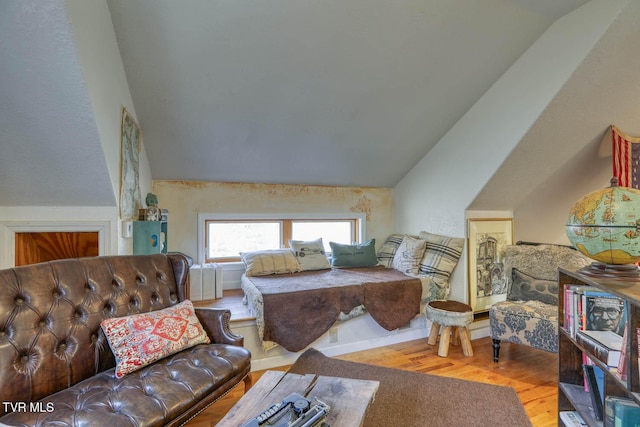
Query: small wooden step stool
{"points": [[450, 317]]}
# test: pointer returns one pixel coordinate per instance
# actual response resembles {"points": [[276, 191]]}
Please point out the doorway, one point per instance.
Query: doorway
{"points": [[34, 247]]}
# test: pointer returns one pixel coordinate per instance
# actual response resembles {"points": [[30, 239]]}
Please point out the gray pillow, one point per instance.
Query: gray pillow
{"points": [[362, 255], [542, 261], [529, 288]]}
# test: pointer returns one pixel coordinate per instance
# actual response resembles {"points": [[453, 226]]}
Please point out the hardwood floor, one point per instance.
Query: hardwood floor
{"points": [[532, 373]]}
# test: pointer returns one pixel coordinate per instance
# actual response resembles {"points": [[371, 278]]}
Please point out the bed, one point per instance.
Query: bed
{"points": [[295, 309], [296, 296]]}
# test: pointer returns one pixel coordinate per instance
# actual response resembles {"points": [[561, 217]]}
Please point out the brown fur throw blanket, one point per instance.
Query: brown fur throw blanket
{"points": [[300, 307]]}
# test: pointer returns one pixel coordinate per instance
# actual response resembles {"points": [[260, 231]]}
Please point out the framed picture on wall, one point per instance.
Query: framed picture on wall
{"points": [[130, 141], [488, 240]]}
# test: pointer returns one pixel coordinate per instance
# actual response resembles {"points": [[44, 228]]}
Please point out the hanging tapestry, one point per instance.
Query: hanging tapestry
{"points": [[626, 155]]}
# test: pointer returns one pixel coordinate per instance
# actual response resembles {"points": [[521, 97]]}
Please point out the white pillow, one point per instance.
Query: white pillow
{"points": [[270, 261], [441, 256], [409, 254], [310, 254]]}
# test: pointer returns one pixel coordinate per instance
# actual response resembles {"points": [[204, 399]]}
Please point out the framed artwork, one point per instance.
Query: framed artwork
{"points": [[488, 240], [130, 141]]}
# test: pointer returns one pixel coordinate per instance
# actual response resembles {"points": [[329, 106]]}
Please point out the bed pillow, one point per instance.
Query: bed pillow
{"points": [[440, 256], [526, 288], [409, 255], [389, 249], [362, 255], [270, 261], [310, 254], [141, 339]]}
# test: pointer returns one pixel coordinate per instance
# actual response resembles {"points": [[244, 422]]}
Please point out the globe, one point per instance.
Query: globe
{"points": [[605, 225]]}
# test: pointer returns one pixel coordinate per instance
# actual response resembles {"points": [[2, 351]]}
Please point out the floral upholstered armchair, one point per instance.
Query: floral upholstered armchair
{"points": [[529, 316]]}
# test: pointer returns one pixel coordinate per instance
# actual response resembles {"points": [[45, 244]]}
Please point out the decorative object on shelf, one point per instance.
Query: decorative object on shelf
{"points": [[605, 226], [488, 240], [152, 213], [130, 141], [626, 157]]}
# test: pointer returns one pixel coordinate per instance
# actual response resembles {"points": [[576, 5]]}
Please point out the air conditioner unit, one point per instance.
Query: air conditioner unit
{"points": [[205, 282]]}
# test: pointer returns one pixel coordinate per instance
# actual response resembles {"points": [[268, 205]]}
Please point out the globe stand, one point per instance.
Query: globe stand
{"points": [[621, 271]]}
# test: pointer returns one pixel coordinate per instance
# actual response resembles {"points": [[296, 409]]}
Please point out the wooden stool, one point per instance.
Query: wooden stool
{"points": [[452, 316]]}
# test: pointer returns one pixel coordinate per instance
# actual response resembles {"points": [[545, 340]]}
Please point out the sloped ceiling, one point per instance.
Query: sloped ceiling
{"points": [[287, 91], [331, 92], [50, 151]]}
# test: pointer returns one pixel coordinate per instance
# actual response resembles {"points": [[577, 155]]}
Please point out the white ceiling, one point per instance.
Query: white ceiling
{"points": [[287, 91], [310, 92]]}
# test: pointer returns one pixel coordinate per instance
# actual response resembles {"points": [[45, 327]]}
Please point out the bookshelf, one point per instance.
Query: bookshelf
{"points": [[571, 393]]}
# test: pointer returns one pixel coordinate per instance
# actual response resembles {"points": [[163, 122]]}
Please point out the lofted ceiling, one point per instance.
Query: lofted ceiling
{"points": [[309, 92], [312, 92]]}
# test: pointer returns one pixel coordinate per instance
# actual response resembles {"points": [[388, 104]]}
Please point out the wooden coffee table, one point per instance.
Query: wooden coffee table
{"points": [[348, 399]]}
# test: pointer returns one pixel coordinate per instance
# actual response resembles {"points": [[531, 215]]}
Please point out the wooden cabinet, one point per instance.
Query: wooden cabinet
{"points": [[571, 393], [149, 237]]}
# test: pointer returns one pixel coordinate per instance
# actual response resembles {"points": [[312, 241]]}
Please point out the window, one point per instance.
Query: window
{"points": [[225, 238]]}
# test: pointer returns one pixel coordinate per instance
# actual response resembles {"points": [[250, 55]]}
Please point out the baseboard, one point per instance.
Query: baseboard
{"points": [[336, 350]]}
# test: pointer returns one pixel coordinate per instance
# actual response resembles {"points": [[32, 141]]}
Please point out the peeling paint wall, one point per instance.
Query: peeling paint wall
{"points": [[186, 199]]}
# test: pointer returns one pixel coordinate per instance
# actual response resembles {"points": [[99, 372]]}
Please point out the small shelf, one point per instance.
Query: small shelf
{"points": [[581, 402], [571, 393]]}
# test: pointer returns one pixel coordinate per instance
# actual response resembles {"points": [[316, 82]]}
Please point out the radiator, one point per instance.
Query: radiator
{"points": [[205, 282]]}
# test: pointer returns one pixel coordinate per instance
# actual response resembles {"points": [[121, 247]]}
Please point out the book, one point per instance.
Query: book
{"points": [[638, 354], [578, 318], [602, 311], [568, 308], [572, 419], [621, 371], [603, 345], [594, 391], [626, 413], [609, 418]]}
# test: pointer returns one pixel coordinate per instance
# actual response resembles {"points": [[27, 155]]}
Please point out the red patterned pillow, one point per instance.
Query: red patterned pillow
{"points": [[141, 339]]}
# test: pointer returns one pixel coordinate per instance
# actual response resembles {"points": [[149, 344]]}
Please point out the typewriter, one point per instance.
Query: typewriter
{"points": [[294, 411]]}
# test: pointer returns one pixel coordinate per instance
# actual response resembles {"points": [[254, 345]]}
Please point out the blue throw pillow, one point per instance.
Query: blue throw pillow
{"points": [[362, 255]]}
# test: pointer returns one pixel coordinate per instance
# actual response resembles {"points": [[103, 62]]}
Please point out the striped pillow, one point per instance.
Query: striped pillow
{"points": [[270, 261], [441, 256], [388, 250]]}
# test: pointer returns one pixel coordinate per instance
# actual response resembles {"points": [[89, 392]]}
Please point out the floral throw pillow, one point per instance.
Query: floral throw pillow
{"points": [[141, 339]]}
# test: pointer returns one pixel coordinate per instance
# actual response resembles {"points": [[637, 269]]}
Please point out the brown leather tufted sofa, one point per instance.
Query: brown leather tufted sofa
{"points": [[56, 367]]}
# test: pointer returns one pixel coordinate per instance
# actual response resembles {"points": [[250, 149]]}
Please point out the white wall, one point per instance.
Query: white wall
{"points": [[186, 199], [108, 90], [106, 84], [436, 193]]}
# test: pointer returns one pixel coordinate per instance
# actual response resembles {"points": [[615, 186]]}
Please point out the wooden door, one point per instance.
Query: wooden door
{"points": [[32, 248]]}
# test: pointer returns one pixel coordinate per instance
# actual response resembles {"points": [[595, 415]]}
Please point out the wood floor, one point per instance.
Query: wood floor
{"points": [[532, 374]]}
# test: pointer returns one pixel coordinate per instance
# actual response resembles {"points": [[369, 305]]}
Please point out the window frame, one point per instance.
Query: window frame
{"points": [[359, 228]]}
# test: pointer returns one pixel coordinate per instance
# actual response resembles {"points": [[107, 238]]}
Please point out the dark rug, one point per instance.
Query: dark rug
{"points": [[413, 399]]}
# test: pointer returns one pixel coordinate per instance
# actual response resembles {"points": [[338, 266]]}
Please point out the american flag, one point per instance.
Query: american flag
{"points": [[626, 156]]}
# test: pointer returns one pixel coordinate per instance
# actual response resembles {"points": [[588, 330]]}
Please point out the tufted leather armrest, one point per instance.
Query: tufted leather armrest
{"points": [[180, 268], [216, 323]]}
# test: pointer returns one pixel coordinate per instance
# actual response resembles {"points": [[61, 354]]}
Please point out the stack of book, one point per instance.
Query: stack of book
{"points": [[621, 412], [603, 345], [589, 308]]}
